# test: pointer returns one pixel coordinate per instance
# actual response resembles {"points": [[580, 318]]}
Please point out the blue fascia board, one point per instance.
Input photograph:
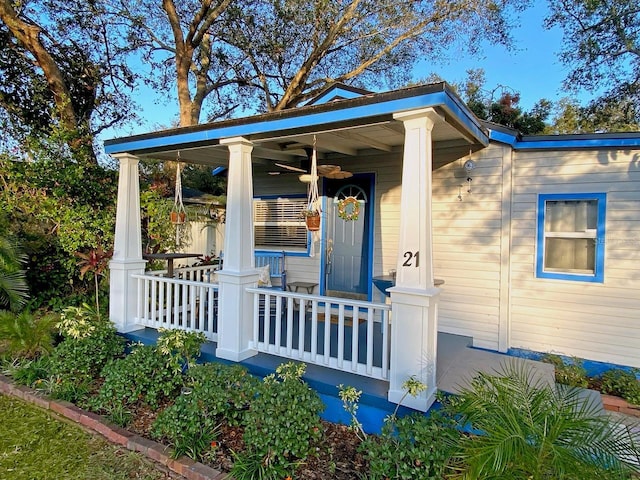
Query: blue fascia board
{"points": [[273, 126], [502, 137], [591, 142], [563, 142]]}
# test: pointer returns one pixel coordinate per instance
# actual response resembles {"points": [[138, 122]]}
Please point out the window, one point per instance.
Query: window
{"points": [[571, 236], [278, 224]]}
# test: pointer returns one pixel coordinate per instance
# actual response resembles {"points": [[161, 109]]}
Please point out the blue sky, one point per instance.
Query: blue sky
{"points": [[532, 69]]}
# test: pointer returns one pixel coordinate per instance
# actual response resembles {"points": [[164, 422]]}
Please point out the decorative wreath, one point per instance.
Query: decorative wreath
{"points": [[346, 213]]}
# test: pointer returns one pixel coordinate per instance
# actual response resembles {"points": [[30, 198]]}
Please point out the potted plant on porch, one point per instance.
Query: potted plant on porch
{"points": [[312, 219]]}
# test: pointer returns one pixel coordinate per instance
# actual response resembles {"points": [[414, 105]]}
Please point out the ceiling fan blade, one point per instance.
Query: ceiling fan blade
{"points": [[339, 174], [291, 167], [327, 169]]}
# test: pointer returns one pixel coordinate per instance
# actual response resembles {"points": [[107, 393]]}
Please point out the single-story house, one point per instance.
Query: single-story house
{"points": [[432, 220]]}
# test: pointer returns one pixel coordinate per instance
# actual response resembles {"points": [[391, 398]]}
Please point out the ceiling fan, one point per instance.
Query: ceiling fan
{"points": [[327, 171]]}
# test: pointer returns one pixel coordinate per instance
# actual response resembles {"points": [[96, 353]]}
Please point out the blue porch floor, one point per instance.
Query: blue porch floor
{"points": [[457, 363]]}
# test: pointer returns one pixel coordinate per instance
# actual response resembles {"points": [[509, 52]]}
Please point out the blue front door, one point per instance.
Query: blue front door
{"points": [[348, 261]]}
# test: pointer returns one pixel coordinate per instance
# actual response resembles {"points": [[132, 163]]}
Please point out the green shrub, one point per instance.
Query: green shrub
{"points": [[568, 373], [212, 392], [622, 383], [414, 447], [182, 347], [149, 373], [31, 372], [227, 390], [533, 430], [26, 334], [89, 342], [254, 466], [188, 426], [143, 375], [282, 423]]}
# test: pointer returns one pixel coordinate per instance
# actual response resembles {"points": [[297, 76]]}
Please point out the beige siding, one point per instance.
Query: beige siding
{"points": [[468, 246], [593, 321], [485, 249]]}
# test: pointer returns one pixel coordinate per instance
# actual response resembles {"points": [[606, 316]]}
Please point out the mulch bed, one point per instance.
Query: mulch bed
{"points": [[336, 458]]}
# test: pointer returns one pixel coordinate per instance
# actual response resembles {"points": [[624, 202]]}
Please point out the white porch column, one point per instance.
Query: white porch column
{"points": [[414, 298], [127, 247], [235, 313]]}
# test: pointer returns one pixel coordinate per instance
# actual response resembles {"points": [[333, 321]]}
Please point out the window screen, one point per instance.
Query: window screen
{"points": [[278, 224]]}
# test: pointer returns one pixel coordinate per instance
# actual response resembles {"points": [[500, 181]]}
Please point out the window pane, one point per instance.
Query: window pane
{"points": [[570, 254], [571, 216]]}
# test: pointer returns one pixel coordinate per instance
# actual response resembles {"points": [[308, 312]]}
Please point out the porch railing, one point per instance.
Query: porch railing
{"points": [[187, 301], [344, 334]]}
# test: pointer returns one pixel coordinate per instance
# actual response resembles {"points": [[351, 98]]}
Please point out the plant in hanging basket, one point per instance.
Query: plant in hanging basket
{"points": [[309, 213], [178, 217], [312, 219]]}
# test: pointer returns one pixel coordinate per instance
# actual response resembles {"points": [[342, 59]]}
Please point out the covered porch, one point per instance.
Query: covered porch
{"points": [[354, 332]]}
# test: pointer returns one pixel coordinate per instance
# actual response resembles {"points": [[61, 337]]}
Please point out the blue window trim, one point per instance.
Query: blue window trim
{"points": [[289, 253], [598, 276]]}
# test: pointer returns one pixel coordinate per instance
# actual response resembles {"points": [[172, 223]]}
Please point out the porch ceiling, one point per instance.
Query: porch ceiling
{"points": [[345, 128]]}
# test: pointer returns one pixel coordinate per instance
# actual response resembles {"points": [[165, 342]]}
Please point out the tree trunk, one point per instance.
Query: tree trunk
{"points": [[28, 35]]}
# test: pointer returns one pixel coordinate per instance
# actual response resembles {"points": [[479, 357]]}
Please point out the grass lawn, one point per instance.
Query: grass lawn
{"points": [[34, 445]]}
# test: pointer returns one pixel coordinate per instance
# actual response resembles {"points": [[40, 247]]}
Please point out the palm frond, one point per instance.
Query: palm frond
{"points": [[528, 428]]}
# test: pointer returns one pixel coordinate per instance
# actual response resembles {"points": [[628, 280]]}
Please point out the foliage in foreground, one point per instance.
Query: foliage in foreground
{"points": [[26, 334], [89, 342], [414, 447], [281, 426], [13, 287], [149, 373], [532, 430], [35, 445], [212, 393], [622, 383]]}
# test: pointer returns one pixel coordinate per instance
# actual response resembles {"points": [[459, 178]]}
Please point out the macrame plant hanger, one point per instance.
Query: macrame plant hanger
{"points": [[313, 198], [178, 212]]}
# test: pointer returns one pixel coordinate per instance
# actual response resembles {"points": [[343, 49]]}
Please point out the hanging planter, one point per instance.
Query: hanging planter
{"points": [[178, 217], [312, 213], [312, 219], [178, 212]]}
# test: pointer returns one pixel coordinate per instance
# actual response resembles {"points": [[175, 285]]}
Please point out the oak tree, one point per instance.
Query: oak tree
{"points": [[601, 47], [269, 55]]}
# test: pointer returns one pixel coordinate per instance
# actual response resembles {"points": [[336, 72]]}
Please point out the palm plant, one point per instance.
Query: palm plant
{"points": [[25, 334], [13, 285], [528, 429]]}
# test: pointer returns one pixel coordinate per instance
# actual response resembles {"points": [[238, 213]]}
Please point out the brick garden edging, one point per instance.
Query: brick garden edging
{"points": [[617, 404], [184, 466]]}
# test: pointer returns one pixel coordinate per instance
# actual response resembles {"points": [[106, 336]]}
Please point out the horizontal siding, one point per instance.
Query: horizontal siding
{"points": [[594, 321], [467, 247]]}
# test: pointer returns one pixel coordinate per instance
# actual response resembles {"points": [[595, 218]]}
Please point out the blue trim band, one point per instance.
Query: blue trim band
{"points": [[564, 142]]}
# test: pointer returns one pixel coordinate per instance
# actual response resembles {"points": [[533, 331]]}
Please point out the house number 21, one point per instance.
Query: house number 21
{"points": [[411, 259]]}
